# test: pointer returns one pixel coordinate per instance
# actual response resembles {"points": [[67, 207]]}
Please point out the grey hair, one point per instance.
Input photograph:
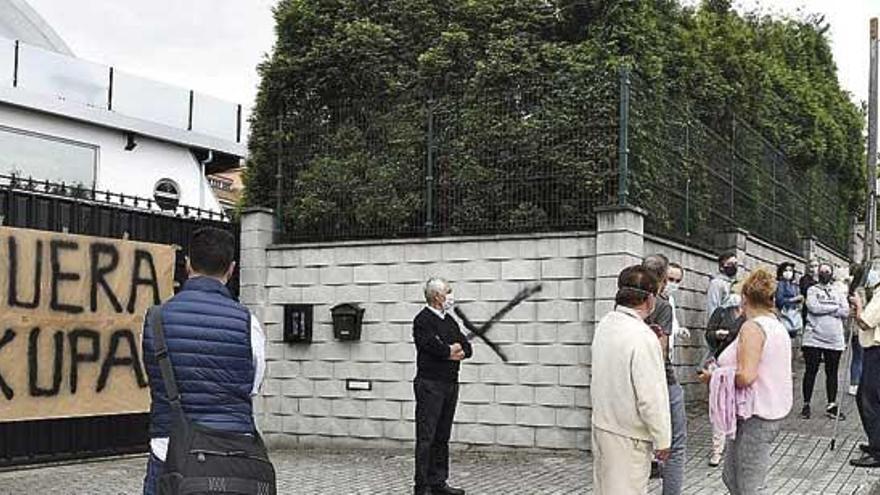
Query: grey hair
{"points": [[657, 264], [434, 287]]}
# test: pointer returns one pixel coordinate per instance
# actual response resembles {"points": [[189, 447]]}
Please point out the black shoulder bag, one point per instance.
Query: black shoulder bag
{"points": [[205, 461]]}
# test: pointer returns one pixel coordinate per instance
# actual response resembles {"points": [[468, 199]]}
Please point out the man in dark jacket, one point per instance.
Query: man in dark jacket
{"points": [[440, 348], [215, 346]]}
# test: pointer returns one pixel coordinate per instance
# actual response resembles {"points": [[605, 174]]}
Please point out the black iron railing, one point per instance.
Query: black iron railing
{"points": [[61, 208]]}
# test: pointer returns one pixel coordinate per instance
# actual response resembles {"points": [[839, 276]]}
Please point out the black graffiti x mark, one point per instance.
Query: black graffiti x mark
{"points": [[480, 332], [8, 336]]}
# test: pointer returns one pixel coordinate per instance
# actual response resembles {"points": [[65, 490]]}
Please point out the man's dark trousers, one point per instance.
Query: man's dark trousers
{"points": [[868, 398], [435, 409]]}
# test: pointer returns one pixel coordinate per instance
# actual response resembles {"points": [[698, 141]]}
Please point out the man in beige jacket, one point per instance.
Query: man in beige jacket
{"points": [[631, 420]]}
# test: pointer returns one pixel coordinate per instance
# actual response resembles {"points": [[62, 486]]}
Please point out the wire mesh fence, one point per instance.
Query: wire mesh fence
{"points": [[695, 181], [536, 156]]}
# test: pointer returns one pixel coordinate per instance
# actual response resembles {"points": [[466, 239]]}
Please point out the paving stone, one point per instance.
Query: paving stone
{"points": [[801, 462]]}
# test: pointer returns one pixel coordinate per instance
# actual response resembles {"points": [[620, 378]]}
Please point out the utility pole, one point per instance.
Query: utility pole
{"points": [[871, 216]]}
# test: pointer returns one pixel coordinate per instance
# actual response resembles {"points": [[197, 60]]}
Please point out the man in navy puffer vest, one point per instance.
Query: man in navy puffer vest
{"points": [[216, 349]]}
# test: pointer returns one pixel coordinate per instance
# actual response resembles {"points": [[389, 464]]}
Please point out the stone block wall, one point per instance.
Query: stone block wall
{"points": [[540, 399]]}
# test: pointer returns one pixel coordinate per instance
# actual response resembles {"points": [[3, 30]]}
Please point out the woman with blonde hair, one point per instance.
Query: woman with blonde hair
{"points": [[750, 391]]}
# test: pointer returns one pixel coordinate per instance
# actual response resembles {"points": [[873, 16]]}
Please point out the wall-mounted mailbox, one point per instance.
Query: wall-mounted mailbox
{"points": [[298, 323], [347, 321]]}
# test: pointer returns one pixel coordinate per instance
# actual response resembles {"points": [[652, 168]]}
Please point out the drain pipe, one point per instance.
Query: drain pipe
{"points": [[204, 179]]}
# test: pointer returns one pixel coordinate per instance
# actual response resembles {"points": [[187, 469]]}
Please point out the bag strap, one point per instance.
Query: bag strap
{"points": [[161, 352], [197, 486]]}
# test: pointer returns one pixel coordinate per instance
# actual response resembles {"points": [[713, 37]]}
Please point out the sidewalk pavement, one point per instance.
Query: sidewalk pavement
{"points": [[802, 464]]}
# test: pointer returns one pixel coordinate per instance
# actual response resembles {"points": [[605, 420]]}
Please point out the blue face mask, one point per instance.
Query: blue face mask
{"points": [[873, 279]]}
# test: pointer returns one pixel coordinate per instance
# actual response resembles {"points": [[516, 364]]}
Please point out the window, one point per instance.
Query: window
{"points": [[27, 154], [220, 184], [167, 194]]}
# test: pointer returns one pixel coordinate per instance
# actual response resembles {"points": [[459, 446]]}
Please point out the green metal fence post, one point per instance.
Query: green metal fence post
{"points": [[687, 167], [809, 208], [733, 169], [774, 208], [623, 139], [279, 187], [429, 172]]}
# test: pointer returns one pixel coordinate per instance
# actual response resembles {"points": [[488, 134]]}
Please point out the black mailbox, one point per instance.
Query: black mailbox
{"points": [[298, 323], [347, 321]]}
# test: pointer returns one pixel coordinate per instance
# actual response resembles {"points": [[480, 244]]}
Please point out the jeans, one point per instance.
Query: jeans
{"points": [[855, 367], [435, 409], [155, 467], [673, 468]]}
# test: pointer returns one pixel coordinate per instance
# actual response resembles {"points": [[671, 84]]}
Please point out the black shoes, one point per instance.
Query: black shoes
{"points": [[446, 490], [868, 461], [805, 412], [832, 412], [865, 448]]}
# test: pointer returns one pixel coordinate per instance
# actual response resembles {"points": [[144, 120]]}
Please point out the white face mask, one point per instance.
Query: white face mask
{"points": [[873, 279], [671, 288], [788, 275], [449, 302]]}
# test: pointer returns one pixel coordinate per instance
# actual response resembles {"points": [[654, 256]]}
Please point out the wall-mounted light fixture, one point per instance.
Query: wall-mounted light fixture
{"points": [[130, 142]]}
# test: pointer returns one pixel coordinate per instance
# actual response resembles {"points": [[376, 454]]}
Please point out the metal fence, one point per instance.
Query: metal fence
{"points": [[59, 208], [36, 70], [539, 156], [694, 180]]}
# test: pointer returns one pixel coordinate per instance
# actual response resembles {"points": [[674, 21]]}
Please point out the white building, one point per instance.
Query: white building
{"points": [[63, 119]]}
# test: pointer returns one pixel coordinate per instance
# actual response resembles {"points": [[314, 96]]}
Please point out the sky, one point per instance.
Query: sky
{"points": [[214, 46], [211, 46], [849, 34]]}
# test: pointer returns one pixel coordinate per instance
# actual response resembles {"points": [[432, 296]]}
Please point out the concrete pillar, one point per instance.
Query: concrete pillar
{"points": [[620, 242], [808, 248], [256, 235], [734, 240], [857, 243], [257, 231]]}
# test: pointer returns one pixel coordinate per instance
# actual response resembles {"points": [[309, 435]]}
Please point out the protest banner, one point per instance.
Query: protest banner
{"points": [[71, 316]]}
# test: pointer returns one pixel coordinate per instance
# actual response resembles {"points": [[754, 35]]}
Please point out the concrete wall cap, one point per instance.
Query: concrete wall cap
{"points": [[620, 208], [257, 209]]}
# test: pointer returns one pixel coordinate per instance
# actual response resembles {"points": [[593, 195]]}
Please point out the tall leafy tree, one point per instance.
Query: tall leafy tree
{"points": [[515, 88]]}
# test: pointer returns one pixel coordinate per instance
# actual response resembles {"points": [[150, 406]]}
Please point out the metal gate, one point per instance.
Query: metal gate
{"points": [[56, 207]]}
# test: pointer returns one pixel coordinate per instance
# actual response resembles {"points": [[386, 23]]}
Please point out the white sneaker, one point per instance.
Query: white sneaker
{"points": [[715, 459], [853, 389]]}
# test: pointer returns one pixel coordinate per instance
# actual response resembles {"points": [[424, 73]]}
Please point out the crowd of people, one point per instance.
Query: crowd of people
{"points": [[757, 326]]}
